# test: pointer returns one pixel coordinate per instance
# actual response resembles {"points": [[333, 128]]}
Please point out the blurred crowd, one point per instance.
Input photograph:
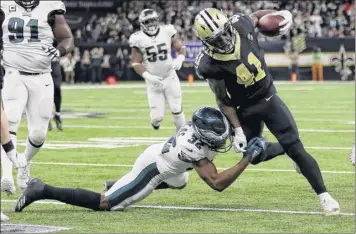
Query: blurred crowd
{"points": [[324, 18]]}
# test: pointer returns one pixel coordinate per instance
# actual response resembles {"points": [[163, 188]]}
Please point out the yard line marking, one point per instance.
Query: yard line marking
{"points": [[135, 110], [149, 127], [203, 208], [219, 168]]}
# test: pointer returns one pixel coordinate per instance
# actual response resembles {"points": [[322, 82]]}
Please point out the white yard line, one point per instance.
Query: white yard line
{"points": [[204, 208], [129, 166], [149, 127]]}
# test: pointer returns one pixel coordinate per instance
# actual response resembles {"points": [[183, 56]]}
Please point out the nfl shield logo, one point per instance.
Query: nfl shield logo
{"points": [[12, 8]]}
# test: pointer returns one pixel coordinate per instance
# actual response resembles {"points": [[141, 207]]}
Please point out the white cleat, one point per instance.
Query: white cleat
{"points": [[8, 186], [352, 155], [296, 167], [330, 206], [23, 176], [4, 218]]}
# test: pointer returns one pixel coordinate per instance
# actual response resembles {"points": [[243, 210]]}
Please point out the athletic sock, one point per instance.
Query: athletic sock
{"points": [[31, 149], [77, 197], [179, 120]]}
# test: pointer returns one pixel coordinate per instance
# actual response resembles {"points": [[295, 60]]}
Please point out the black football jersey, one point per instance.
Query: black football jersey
{"points": [[244, 70]]}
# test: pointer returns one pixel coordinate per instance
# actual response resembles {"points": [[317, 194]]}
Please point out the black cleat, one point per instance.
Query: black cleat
{"points": [[32, 193], [58, 121], [50, 126], [155, 127], [108, 184]]}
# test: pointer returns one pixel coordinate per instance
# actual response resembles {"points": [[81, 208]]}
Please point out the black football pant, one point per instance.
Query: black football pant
{"points": [[276, 116], [57, 81]]}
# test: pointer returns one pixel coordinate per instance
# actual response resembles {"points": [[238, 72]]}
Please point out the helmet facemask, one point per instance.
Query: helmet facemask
{"points": [[150, 25], [223, 41]]}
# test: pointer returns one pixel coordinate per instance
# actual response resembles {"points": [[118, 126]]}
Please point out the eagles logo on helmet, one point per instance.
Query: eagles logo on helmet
{"points": [[149, 21]]}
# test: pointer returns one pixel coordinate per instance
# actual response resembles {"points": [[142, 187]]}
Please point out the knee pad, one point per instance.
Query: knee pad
{"points": [[37, 137], [157, 120], [177, 112], [46, 105]]}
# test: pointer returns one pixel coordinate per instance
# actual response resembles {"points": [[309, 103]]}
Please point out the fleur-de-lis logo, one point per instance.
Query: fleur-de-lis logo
{"points": [[342, 61]]}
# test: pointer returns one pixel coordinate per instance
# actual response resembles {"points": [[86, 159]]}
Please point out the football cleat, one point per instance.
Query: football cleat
{"points": [[8, 186], [57, 119], [23, 176], [155, 127], [32, 193], [4, 218], [108, 184], [330, 206]]}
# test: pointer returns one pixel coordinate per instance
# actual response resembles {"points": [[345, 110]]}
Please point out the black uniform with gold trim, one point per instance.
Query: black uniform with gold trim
{"points": [[253, 82]]}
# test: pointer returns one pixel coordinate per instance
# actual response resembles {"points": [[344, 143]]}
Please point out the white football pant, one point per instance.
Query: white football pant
{"points": [[157, 101], [142, 180], [33, 93]]}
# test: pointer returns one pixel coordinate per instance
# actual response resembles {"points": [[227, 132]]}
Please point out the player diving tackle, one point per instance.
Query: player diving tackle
{"points": [[233, 63], [161, 166]]}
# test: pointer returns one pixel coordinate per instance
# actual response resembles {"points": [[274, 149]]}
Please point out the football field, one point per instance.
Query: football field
{"points": [[107, 128]]}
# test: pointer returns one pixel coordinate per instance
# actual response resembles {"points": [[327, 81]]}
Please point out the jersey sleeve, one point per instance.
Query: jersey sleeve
{"points": [[170, 30], [204, 69], [190, 153], [242, 22], [57, 7], [133, 41]]}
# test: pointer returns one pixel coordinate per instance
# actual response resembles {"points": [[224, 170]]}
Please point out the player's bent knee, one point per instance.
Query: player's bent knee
{"points": [[37, 137], [177, 111]]}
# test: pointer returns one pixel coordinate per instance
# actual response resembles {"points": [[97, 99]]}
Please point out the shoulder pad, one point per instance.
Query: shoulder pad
{"points": [[134, 39], [242, 22], [169, 30], [55, 6], [202, 65]]}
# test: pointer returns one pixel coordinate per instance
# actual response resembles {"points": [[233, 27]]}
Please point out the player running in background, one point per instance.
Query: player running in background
{"points": [[151, 59], [234, 65], [160, 166], [29, 28]]}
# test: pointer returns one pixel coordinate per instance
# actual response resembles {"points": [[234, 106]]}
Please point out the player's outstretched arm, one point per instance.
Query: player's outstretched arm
{"points": [[178, 46], [284, 25], [63, 35], [219, 181]]}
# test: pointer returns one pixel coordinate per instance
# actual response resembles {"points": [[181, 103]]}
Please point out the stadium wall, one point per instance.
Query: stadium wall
{"points": [[338, 56]]}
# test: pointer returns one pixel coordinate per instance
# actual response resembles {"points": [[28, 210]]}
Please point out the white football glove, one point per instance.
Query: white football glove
{"points": [[52, 53], [239, 143], [287, 23], [178, 62], [156, 81]]}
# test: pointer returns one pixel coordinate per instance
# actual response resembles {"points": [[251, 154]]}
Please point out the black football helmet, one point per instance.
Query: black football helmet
{"points": [[29, 5], [212, 128]]}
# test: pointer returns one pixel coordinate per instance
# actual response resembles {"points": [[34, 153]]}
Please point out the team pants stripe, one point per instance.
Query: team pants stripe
{"points": [[134, 187]]}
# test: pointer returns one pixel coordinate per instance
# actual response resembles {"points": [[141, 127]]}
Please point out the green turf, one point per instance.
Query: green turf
{"points": [[315, 107]]}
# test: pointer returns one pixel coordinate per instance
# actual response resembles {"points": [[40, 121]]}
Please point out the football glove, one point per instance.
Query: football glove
{"points": [[178, 62], [287, 23], [156, 81], [239, 143], [52, 52], [255, 148]]}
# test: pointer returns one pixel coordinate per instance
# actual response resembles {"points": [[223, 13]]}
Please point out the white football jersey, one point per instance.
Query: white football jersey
{"points": [[156, 50], [24, 34], [180, 151]]}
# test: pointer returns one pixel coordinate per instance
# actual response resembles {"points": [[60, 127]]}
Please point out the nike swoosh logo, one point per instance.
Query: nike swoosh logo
{"points": [[190, 150], [47, 85], [269, 98]]}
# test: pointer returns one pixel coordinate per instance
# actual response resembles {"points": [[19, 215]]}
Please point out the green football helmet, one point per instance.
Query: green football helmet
{"points": [[215, 30]]}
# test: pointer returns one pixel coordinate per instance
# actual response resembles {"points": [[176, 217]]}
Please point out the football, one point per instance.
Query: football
{"points": [[269, 25]]}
